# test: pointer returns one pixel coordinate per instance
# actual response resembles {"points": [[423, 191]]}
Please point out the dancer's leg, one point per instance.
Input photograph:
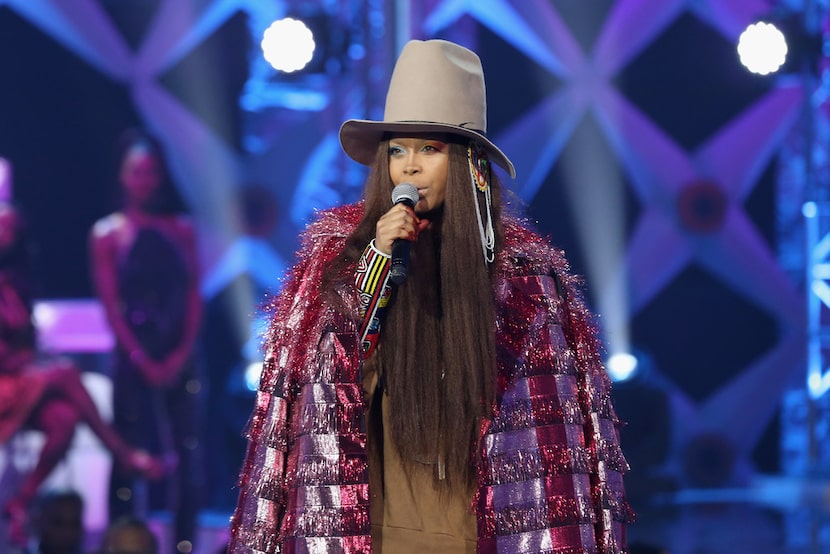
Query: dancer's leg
{"points": [[57, 419], [183, 409], [66, 383]]}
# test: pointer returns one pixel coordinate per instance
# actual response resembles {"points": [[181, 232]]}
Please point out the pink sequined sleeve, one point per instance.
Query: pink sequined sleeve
{"points": [[551, 465], [303, 482]]}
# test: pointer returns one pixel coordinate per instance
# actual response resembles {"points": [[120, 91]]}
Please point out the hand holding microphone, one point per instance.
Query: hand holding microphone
{"points": [[406, 194]]}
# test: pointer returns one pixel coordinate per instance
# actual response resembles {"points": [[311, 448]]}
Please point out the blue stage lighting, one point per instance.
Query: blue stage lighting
{"points": [[622, 366], [252, 372]]}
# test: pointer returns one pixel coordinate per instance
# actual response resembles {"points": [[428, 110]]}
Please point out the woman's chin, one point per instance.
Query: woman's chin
{"points": [[429, 213]]}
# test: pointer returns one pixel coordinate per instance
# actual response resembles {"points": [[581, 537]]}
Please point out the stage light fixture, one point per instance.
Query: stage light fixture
{"points": [[288, 45], [762, 48], [622, 366]]}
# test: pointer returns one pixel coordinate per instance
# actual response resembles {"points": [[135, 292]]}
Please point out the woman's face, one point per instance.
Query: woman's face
{"points": [[423, 162], [140, 175]]}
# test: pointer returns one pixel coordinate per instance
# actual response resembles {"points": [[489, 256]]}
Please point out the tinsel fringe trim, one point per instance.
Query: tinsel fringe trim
{"points": [[523, 465]]}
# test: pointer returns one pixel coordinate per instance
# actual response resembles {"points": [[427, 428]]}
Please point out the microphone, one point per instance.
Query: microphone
{"points": [[405, 193]]}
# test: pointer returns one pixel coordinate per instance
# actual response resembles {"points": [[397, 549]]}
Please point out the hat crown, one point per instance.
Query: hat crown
{"points": [[436, 87], [440, 82]]}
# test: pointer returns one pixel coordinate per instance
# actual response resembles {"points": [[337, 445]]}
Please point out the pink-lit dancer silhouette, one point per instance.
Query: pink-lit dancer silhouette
{"points": [[146, 274]]}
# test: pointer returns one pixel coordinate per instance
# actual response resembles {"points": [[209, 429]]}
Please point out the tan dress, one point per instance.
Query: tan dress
{"points": [[408, 516]]}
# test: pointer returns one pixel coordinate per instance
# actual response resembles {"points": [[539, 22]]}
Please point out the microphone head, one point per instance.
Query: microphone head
{"points": [[407, 193]]}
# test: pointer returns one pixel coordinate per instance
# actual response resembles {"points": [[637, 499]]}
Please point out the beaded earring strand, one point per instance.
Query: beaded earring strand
{"points": [[480, 174]]}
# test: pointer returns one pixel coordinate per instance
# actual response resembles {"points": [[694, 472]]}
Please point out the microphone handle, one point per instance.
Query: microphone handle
{"points": [[400, 247], [400, 259]]}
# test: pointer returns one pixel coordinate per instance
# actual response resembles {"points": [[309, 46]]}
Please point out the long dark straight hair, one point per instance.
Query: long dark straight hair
{"points": [[437, 352]]}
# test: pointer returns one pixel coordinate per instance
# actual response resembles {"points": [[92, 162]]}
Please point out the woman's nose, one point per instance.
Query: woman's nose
{"points": [[412, 166]]}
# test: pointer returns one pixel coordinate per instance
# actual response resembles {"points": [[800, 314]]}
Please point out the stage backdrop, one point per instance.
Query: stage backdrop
{"points": [[642, 146]]}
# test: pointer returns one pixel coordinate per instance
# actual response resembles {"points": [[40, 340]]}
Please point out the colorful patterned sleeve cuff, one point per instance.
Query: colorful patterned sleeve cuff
{"points": [[374, 249], [372, 281]]}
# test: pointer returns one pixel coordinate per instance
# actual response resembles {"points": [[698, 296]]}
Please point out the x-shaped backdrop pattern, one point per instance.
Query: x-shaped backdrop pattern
{"points": [[641, 146]]}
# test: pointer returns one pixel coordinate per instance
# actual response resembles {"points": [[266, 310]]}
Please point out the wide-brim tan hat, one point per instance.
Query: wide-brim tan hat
{"points": [[436, 86]]}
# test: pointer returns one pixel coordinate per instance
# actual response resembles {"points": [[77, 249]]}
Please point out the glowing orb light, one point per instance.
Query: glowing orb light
{"points": [[762, 48], [288, 45]]}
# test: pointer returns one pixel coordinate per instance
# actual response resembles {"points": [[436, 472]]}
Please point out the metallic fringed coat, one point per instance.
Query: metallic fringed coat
{"points": [[550, 466]]}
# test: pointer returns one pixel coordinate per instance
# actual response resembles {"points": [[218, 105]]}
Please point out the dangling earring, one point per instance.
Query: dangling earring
{"points": [[479, 166], [480, 175]]}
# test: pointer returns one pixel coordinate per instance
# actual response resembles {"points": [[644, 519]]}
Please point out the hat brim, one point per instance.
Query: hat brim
{"points": [[360, 138]]}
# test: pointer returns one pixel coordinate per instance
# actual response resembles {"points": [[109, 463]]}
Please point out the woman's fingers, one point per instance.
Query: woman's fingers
{"points": [[398, 223]]}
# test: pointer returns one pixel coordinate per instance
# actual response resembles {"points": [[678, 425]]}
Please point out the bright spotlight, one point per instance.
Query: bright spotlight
{"points": [[288, 45], [252, 373], [762, 48], [622, 367], [45, 315]]}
